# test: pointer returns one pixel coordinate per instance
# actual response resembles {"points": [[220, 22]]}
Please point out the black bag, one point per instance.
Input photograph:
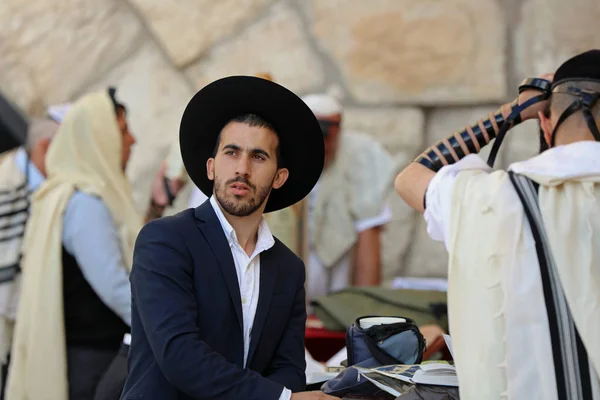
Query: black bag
{"points": [[373, 346], [385, 344]]}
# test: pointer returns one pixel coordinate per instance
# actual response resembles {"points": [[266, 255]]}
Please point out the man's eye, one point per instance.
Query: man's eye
{"points": [[230, 152], [259, 157]]}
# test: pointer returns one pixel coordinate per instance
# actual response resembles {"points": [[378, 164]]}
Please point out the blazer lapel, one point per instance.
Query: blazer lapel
{"points": [[210, 226], [268, 277]]}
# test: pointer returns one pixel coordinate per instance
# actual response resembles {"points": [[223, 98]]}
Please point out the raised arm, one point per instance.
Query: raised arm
{"points": [[412, 182]]}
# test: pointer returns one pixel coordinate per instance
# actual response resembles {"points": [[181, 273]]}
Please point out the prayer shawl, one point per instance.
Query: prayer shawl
{"points": [[85, 155], [497, 309], [352, 188], [14, 204]]}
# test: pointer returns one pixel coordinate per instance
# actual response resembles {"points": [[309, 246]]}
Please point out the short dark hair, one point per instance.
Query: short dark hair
{"points": [[253, 120], [559, 102]]}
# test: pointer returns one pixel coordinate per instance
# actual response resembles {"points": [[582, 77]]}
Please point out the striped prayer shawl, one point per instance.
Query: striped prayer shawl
{"points": [[14, 209], [576, 378]]}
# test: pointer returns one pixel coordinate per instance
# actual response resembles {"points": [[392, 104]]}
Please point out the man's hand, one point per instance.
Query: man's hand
{"points": [[532, 111], [316, 395], [159, 195]]}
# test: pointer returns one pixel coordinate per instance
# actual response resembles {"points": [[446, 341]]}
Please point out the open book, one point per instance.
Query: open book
{"points": [[397, 379]]}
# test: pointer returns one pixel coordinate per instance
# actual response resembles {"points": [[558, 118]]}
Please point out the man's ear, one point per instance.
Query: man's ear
{"points": [[280, 177], [546, 127], [210, 169]]}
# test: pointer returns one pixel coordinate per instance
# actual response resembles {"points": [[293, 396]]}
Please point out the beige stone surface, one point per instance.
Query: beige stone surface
{"points": [[50, 49], [275, 44], [155, 95], [188, 28], [396, 237], [427, 258], [400, 130], [415, 51], [522, 142], [551, 31]]}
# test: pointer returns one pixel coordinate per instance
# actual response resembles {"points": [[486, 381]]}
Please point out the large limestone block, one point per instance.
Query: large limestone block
{"points": [[427, 258], [400, 130], [50, 49], [522, 142], [551, 31], [407, 51], [275, 44], [396, 237], [188, 28], [155, 95]]}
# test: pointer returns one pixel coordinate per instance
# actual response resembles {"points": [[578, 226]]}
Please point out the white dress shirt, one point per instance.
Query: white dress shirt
{"points": [[248, 274]]}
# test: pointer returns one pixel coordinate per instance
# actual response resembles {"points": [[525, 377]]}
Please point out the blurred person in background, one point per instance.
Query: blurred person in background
{"points": [[22, 171], [347, 208], [75, 303]]}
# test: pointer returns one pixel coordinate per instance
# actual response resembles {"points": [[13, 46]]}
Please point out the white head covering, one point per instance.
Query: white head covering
{"points": [[326, 104], [58, 111]]}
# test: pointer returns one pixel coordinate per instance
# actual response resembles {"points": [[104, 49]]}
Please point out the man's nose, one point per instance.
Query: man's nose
{"points": [[243, 166]]}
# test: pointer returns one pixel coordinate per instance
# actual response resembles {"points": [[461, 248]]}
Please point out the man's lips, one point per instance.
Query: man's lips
{"points": [[239, 188]]}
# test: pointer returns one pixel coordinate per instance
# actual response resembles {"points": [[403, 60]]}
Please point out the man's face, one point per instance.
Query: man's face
{"points": [[244, 168], [332, 137], [127, 139]]}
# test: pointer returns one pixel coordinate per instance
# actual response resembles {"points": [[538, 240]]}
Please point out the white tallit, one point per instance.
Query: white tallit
{"points": [[497, 313], [85, 155]]}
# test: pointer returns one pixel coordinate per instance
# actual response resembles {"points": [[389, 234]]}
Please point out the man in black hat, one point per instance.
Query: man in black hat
{"points": [[218, 308], [524, 245]]}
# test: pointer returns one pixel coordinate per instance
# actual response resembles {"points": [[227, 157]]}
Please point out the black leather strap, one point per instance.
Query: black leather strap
{"points": [[575, 106], [509, 123], [479, 135], [170, 195], [591, 123], [455, 144], [489, 126], [536, 84], [424, 161], [441, 146], [466, 137]]}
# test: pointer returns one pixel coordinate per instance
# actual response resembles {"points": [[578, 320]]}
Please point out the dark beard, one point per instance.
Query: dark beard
{"points": [[246, 208]]}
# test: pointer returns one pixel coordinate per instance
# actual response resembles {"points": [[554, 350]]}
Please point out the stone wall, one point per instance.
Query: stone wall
{"points": [[410, 71]]}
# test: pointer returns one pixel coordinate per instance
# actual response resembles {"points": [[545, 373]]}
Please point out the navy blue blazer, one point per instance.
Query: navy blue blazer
{"points": [[187, 340]]}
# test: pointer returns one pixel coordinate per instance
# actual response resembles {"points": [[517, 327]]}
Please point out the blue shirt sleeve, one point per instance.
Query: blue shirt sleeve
{"points": [[90, 235]]}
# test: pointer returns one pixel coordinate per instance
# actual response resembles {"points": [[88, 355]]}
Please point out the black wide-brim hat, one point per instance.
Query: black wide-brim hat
{"points": [[300, 138]]}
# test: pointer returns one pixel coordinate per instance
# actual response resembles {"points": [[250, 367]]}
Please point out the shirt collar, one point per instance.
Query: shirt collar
{"points": [[567, 161], [264, 241], [35, 178]]}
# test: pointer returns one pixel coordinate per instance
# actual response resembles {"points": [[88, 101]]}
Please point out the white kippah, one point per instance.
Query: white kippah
{"points": [[58, 112], [324, 104]]}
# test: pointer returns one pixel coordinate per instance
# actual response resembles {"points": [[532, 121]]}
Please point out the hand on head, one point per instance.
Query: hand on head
{"points": [[534, 110]]}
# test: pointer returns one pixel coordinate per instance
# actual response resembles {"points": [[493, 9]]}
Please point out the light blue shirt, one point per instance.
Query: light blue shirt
{"points": [[35, 177], [90, 235]]}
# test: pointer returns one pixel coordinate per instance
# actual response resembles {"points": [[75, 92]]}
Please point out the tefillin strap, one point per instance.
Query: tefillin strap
{"points": [[514, 118], [585, 102], [432, 161]]}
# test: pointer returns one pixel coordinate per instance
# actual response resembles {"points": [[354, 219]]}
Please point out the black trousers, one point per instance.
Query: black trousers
{"points": [[112, 382], [85, 369]]}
